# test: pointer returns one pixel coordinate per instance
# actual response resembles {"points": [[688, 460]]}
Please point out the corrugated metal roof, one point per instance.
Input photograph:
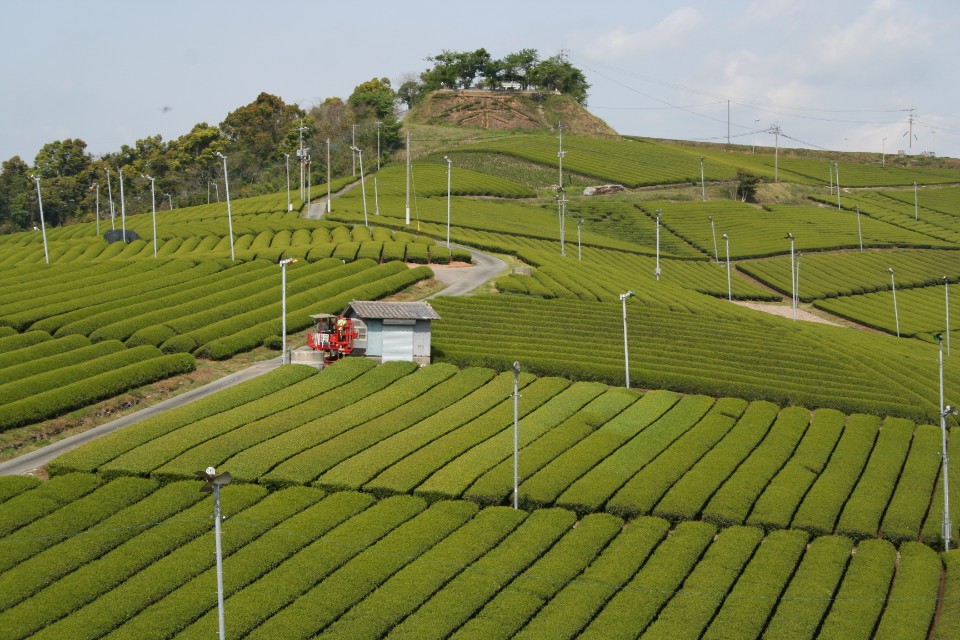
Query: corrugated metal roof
{"points": [[397, 310]]}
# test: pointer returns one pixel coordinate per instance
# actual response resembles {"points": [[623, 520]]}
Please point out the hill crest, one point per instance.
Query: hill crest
{"points": [[507, 110]]}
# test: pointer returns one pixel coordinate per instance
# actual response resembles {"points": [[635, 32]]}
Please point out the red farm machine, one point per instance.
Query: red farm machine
{"points": [[336, 336]]}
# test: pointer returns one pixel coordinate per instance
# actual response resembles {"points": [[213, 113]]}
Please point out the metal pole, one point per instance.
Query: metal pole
{"points": [[830, 169], [946, 296], [216, 190], [363, 186], [579, 252], [208, 190], [226, 187], [793, 278], [560, 154], [837, 169], [123, 208], [797, 284], [626, 349], [859, 229], [153, 207], [170, 200], [562, 202], [329, 180], [883, 157], [713, 231], [726, 239], [449, 168], [378, 147], [656, 271], [300, 131], [113, 213], [287, 162], [97, 185], [896, 314], [43, 225], [945, 458], [776, 154], [516, 435], [703, 185], [216, 521], [376, 197], [283, 307], [309, 181], [407, 220]]}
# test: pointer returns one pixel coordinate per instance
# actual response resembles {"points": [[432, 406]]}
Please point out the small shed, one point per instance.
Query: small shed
{"points": [[395, 330]]}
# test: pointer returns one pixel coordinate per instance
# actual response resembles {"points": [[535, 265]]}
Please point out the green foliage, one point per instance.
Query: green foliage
{"points": [[860, 599], [24, 508], [811, 590], [748, 605], [913, 597], [821, 506], [85, 392], [578, 601], [949, 620], [904, 516]]}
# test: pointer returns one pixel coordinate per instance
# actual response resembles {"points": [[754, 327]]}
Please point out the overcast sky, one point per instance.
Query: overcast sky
{"points": [[837, 74]]}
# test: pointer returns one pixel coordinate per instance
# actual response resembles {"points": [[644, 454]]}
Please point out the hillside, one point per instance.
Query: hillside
{"points": [[507, 110], [741, 475]]}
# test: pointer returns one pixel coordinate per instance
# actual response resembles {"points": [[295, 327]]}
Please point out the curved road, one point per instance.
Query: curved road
{"points": [[459, 280]]}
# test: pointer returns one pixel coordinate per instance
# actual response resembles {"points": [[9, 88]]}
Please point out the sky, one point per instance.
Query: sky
{"points": [[840, 75]]}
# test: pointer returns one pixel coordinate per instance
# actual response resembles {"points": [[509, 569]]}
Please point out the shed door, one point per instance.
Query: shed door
{"points": [[397, 342]]}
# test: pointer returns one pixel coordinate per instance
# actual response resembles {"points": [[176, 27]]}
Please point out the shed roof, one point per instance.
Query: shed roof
{"points": [[397, 310]]}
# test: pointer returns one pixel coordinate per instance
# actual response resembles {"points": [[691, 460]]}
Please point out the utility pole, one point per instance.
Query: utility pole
{"points": [[378, 144], [775, 130], [562, 202], [300, 155], [407, 220], [728, 123], [329, 196]]}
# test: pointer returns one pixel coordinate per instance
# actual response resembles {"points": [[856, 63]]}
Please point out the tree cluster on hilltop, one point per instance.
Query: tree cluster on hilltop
{"points": [[254, 138], [467, 69]]}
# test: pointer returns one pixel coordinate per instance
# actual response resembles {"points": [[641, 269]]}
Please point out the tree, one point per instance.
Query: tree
{"points": [[518, 67], [556, 74], [62, 158], [373, 96], [15, 189], [253, 134], [746, 185]]}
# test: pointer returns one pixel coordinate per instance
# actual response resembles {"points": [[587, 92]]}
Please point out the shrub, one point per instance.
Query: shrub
{"points": [[597, 485], [26, 507], [420, 579], [104, 385], [913, 597], [630, 610], [811, 590], [820, 508], [904, 515], [860, 599], [417, 253]]}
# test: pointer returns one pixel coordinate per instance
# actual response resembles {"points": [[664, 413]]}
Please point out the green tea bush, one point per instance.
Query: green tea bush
{"points": [[868, 502], [686, 498], [748, 605], [456, 476], [410, 587], [467, 593], [904, 516], [357, 578], [644, 490], [358, 470], [861, 597], [820, 508], [913, 598], [812, 589], [85, 392], [631, 609], [24, 508], [509, 610], [733, 501], [597, 485], [779, 501]]}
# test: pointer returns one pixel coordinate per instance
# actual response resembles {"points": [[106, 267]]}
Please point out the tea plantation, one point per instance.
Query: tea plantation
{"points": [[762, 477]]}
